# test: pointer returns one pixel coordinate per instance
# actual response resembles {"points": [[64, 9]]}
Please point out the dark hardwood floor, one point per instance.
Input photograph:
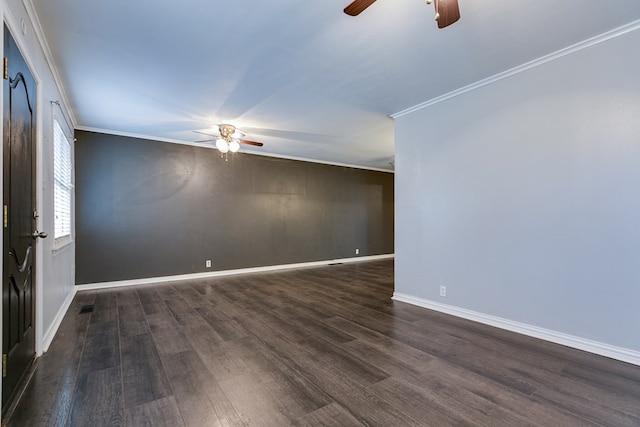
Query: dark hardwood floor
{"points": [[308, 347]]}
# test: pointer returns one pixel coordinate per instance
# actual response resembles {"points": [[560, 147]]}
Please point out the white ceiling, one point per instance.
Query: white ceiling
{"points": [[300, 76]]}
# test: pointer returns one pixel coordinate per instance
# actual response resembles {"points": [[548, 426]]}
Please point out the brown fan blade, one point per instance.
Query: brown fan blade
{"points": [[244, 141], [449, 12], [357, 7]]}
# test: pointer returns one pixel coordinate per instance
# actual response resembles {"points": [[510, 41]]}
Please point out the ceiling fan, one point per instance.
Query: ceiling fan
{"points": [[447, 11], [229, 138]]}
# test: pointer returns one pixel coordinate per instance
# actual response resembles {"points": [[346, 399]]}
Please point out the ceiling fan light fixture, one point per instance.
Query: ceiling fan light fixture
{"points": [[234, 145], [229, 139]]}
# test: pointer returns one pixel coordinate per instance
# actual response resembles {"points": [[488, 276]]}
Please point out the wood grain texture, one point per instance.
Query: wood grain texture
{"points": [[98, 399], [449, 12], [158, 412], [357, 7], [101, 347], [144, 378], [132, 319], [48, 397], [309, 347]]}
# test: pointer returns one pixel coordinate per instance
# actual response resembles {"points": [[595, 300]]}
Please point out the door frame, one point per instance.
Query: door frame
{"points": [[20, 29]]}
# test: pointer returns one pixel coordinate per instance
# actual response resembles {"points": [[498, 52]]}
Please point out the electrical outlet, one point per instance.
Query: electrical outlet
{"points": [[208, 263], [443, 291], [357, 251]]}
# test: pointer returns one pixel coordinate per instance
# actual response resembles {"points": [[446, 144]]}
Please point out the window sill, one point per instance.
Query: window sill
{"points": [[61, 247]]}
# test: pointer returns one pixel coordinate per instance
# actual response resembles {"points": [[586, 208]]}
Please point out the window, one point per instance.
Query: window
{"points": [[62, 186]]}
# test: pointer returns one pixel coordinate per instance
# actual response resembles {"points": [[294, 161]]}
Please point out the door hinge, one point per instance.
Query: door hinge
{"points": [[4, 365], [6, 216], [6, 68]]}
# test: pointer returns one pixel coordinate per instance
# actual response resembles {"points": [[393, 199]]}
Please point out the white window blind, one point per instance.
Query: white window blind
{"points": [[62, 184]]}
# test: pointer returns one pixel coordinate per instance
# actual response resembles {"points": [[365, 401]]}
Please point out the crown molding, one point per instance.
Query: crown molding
{"points": [[633, 26], [42, 40], [245, 151]]}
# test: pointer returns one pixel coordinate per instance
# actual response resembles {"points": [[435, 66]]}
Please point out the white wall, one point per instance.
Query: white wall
{"points": [[55, 274], [523, 197]]}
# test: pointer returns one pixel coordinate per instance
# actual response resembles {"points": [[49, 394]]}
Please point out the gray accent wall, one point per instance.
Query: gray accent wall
{"points": [[148, 209], [522, 197]]}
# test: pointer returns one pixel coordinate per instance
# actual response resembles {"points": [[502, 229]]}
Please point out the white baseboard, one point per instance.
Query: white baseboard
{"points": [[618, 353], [163, 279], [51, 332]]}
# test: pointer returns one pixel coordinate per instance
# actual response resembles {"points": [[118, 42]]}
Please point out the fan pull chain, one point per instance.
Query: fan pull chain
{"points": [[437, 13]]}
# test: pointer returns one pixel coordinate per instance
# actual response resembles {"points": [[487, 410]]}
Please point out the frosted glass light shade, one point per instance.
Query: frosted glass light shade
{"points": [[234, 146], [222, 145]]}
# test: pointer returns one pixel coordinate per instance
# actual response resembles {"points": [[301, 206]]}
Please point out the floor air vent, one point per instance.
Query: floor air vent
{"points": [[86, 309]]}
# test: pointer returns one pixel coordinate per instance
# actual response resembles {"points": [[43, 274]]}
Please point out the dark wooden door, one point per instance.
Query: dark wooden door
{"points": [[18, 341]]}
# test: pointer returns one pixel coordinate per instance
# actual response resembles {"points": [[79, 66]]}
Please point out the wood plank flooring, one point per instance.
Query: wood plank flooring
{"points": [[308, 347]]}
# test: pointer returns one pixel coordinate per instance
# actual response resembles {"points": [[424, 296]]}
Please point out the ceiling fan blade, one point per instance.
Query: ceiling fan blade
{"points": [[244, 141], [357, 7], [449, 12], [215, 137], [205, 133]]}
